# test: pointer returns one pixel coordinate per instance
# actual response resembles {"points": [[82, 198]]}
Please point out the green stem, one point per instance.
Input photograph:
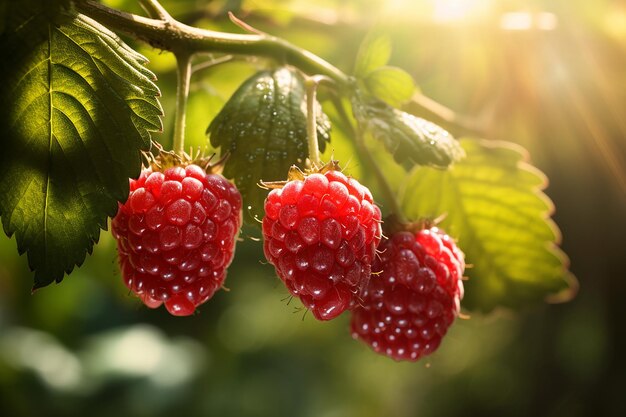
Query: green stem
{"points": [[182, 92], [367, 157], [390, 196], [311, 84]]}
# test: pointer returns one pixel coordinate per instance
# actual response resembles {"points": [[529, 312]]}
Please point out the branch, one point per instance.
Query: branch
{"points": [[179, 38], [457, 124], [164, 32]]}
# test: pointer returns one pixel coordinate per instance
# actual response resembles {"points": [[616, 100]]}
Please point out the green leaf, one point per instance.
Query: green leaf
{"points": [[493, 204], [78, 105], [410, 139], [263, 129], [390, 84], [374, 52]]}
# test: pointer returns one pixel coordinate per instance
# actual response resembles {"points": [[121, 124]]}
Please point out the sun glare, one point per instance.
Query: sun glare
{"points": [[440, 11], [528, 21], [452, 11]]}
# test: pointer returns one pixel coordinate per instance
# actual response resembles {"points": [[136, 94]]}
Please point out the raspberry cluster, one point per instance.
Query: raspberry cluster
{"points": [[321, 234], [409, 306], [176, 236]]}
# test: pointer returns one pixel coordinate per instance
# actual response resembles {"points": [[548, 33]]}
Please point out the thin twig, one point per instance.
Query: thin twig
{"points": [[211, 63], [237, 21], [155, 10]]}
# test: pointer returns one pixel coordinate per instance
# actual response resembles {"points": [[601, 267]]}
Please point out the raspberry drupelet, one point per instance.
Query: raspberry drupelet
{"points": [[176, 236], [321, 234]]}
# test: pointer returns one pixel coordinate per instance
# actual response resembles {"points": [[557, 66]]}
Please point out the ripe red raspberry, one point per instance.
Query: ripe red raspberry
{"points": [[408, 307], [321, 235], [176, 236]]}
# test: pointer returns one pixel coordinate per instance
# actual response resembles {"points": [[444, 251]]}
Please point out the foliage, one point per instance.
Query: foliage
{"points": [[412, 140], [492, 202], [390, 84], [79, 108], [81, 105], [88, 345]]}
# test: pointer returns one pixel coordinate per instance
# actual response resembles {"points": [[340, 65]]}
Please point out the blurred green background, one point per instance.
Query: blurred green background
{"points": [[547, 74]]}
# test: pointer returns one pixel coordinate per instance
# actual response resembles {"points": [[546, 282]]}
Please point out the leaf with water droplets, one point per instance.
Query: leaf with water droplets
{"points": [[263, 130], [411, 140]]}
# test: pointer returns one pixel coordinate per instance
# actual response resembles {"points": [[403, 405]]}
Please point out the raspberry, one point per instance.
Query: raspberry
{"points": [[407, 308], [321, 233], [176, 236]]}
